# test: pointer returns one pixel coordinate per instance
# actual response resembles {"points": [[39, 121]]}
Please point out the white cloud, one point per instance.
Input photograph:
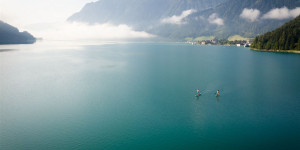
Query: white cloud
{"points": [[178, 19], [82, 31], [250, 14], [214, 19], [295, 12], [282, 13]]}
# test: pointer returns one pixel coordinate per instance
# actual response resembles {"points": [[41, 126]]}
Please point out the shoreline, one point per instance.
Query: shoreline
{"points": [[278, 51]]}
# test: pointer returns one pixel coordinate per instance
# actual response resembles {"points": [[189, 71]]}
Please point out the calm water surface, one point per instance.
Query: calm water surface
{"points": [[140, 96]]}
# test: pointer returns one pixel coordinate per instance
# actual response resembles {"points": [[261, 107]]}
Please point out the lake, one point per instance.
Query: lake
{"points": [[139, 96]]}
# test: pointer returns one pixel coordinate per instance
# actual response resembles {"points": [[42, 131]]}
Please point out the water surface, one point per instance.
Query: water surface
{"points": [[142, 96]]}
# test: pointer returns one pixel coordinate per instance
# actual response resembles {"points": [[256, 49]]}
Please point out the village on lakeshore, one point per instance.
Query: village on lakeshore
{"points": [[226, 42]]}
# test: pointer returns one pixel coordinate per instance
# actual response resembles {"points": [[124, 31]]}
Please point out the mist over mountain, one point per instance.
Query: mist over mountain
{"points": [[243, 17], [137, 11], [11, 35], [178, 19]]}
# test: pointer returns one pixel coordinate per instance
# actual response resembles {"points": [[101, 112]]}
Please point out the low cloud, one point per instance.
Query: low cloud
{"points": [[250, 14], [82, 31], [178, 19], [282, 13], [214, 19]]}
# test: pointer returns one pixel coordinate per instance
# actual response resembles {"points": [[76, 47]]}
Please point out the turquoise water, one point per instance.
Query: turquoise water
{"points": [[117, 96]]}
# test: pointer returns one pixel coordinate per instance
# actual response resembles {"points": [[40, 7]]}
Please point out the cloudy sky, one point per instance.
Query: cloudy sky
{"points": [[47, 19]]}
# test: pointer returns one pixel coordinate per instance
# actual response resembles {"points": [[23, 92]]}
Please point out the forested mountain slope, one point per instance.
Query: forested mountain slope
{"points": [[287, 37]]}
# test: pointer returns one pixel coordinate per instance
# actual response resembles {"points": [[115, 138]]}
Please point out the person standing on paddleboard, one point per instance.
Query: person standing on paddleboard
{"points": [[218, 93], [198, 92]]}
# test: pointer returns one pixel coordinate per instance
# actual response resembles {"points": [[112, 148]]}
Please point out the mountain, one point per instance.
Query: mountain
{"points": [[137, 13], [170, 18], [286, 37], [225, 20], [11, 35], [234, 24]]}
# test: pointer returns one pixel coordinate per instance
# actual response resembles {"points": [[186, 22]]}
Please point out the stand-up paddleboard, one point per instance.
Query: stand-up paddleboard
{"points": [[198, 95]]}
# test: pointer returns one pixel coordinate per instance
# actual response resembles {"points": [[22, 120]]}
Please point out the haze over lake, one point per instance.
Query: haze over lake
{"points": [[68, 95]]}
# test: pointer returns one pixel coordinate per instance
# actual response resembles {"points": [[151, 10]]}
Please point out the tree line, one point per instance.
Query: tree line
{"points": [[286, 37]]}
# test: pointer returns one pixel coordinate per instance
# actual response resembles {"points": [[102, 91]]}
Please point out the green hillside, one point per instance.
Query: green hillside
{"points": [[237, 37], [286, 37]]}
